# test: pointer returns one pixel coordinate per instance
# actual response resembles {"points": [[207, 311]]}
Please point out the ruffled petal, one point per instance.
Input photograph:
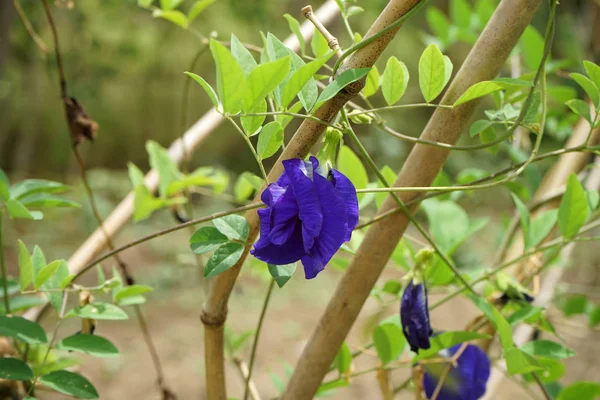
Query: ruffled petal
{"points": [[284, 215], [272, 194], [288, 252], [414, 315], [465, 382], [348, 193], [306, 196], [264, 216], [334, 227]]}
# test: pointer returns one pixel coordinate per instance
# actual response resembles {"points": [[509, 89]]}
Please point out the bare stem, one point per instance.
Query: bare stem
{"points": [[36, 38], [261, 320], [332, 41]]}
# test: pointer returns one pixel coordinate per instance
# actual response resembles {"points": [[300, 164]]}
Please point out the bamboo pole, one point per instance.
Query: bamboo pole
{"points": [[424, 162], [214, 311], [192, 138]]}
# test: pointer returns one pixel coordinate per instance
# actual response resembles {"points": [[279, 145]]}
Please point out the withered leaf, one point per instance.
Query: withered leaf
{"points": [[82, 127]]}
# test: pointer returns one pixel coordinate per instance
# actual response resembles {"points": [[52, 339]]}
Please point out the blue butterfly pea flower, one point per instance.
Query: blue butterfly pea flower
{"points": [[310, 213], [467, 378], [414, 314]]}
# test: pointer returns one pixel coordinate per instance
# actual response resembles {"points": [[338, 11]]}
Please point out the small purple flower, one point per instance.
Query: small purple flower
{"points": [[466, 380], [310, 213], [414, 314]]}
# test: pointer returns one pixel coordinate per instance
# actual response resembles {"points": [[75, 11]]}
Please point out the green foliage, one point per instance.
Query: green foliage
{"points": [[340, 82], [22, 329], [100, 311], [573, 210], [394, 81], [343, 359], [70, 383], [432, 72], [389, 341], [14, 369], [580, 391], [270, 140], [350, 165], [93, 345], [282, 273]]}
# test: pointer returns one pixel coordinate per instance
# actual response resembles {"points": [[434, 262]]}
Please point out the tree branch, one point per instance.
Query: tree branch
{"points": [[423, 164]]}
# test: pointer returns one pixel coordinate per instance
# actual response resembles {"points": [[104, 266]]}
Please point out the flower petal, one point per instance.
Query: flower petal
{"points": [[348, 193], [334, 227], [289, 252], [414, 315], [306, 196], [284, 215]]}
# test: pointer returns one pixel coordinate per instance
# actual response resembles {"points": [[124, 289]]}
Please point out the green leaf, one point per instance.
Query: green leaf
{"points": [[20, 303], [223, 258], [519, 362], [100, 311], [588, 86], [540, 228], [206, 239], [25, 266], [22, 329], [197, 9], [14, 369], [394, 81], [532, 45], [47, 200], [523, 216], [246, 184], [166, 167], [233, 226], [497, 319], [390, 177], [93, 345], [389, 342], [270, 140], [70, 383], [573, 210], [478, 90], [580, 391], [431, 72], [282, 273], [548, 349], [350, 165], [343, 359], [594, 317], [446, 340], [340, 82], [295, 28], [263, 80], [45, 273], [327, 388], [31, 186], [460, 13], [4, 186], [18, 210], [371, 83], [580, 108], [447, 70], [242, 55], [132, 290], [136, 176], [439, 24], [479, 126], [66, 281], [574, 305], [253, 124], [593, 72], [593, 197], [300, 78], [319, 44], [448, 223], [175, 16], [203, 176], [230, 78], [207, 88]]}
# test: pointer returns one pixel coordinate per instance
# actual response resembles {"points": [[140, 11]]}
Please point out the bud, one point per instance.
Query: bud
{"points": [[358, 117], [329, 148]]}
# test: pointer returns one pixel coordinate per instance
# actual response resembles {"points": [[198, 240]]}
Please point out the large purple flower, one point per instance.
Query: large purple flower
{"points": [[310, 213], [414, 314], [466, 380]]}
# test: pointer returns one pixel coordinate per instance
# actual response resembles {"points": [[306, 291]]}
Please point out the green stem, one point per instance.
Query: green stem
{"points": [[363, 152], [3, 264], [261, 320], [252, 149]]}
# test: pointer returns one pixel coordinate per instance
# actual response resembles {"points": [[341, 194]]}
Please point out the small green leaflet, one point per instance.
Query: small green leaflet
{"points": [[295, 28], [175, 16], [389, 341], [14, 369], [22, 329], [547, 348], [197, 9], [206, 239], [432, 73], [580, 108], [269, 140], [343, 359], [573, 210], [230, 78], [90, 344], [70, 383], [300, 78], [263, 80], [45, 273], [129, 291], [350, 165], [101, 311], [282, 273], [340, 82], [478, 90], [25, 266], [372, 82], [588, 86], [233, 226], [394, 81], [207, 88], [223, 258]]}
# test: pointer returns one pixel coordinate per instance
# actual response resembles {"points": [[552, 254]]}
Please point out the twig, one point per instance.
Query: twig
{"points": [[383, 378], [261, 320], [243, 369], [36, 38], [447, 370], [332, 41]]}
